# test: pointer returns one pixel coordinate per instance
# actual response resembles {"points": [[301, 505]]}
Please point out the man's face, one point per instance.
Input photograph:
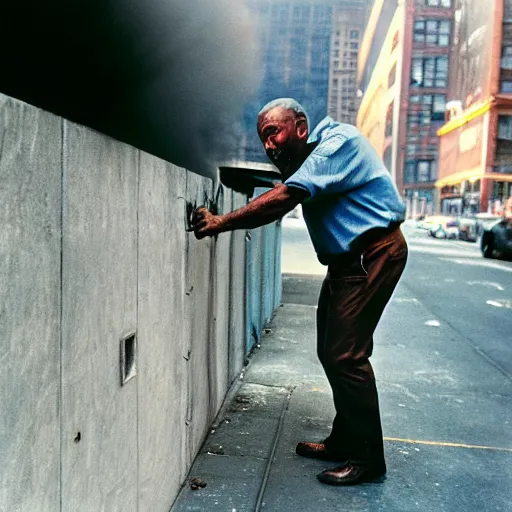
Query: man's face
{"points": [[284, 136]]}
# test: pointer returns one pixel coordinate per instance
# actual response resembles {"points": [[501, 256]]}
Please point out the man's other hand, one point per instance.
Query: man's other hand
{"points": [[205, 223]]}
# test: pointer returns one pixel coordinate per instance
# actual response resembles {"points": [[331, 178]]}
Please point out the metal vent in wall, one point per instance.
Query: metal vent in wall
{"points": [[128, 358]]}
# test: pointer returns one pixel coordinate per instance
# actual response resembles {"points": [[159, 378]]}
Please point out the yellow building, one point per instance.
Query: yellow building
{"points": [[379, 78]]}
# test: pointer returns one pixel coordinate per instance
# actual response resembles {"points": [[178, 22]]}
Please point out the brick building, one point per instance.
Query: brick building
{"points": [[403, 76], [475, 170]]}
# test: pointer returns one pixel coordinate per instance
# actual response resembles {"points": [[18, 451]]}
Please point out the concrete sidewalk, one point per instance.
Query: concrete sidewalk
{"points": [[248, 462]]}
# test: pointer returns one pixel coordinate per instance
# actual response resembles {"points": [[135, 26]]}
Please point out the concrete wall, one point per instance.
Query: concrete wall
{"points": [[30, 292], [263, 269], [93, 249]]}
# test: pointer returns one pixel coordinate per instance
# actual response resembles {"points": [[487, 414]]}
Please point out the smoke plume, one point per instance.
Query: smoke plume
{"points": [[168, 76]]}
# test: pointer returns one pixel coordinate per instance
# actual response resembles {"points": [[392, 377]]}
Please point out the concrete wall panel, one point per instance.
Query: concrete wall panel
{"points": [[255, 278], [237, 296], [99, 293], [278, 276], [30, 210], [267, 270], [93, 248], [162, 346], [219, 363], [198, 323]]}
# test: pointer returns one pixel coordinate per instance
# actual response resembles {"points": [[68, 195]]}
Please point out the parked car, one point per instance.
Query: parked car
{"points": [[485, 221], [442, 226], [497, 240], [428, 222], [468, 229]]}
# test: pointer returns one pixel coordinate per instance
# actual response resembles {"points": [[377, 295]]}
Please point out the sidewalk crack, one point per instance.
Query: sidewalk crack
{"points": [[263, 487]]}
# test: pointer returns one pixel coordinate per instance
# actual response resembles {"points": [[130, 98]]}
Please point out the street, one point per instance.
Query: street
{"points": [[449, 280], [443, 361]]}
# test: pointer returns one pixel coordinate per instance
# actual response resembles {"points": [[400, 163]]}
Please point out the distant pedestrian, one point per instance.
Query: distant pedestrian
{"points": [[353, 213]]}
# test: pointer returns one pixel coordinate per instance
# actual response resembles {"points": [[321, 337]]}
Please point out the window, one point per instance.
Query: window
{"points": [[438, 107], [506, 57], [506, 86], [354, 34], [354, 46], [420, 171], [429, 72], [439, 3], [301, 12], [416, 119], [392, 76], [426, 108], [396, 39], [505, 127], [432, 32], [423, 171], [389, 120], [410, 172]]}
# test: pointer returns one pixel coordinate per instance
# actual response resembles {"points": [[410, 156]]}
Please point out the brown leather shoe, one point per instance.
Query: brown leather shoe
{"points": [[348, 474], [317, 451]]}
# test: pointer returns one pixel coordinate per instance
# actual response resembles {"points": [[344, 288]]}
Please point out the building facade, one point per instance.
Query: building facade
{"points": [[294, 45], [348, 24], [309, 52], [379, 64], [404, 91], [475, 170]]}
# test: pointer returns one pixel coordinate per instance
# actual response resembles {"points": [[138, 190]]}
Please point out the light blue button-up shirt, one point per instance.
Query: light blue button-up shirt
{"points": [[351, 191]]}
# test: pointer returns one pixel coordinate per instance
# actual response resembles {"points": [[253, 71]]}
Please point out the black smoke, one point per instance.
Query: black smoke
{"points": [[168, 76]]}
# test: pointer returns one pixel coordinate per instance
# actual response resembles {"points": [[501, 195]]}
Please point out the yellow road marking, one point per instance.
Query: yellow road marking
{"points": [[452, 445]]}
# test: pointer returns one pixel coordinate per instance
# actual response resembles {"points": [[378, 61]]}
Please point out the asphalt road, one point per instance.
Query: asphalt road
{"points": [[443, 360], [470, 294]]}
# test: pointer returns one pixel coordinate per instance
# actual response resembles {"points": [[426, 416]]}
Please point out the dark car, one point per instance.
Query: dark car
{"points": [[498, 239], [485, 221]]}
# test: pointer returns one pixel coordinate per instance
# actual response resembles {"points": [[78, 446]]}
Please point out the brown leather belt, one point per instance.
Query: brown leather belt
{"points": [[359, 245]]}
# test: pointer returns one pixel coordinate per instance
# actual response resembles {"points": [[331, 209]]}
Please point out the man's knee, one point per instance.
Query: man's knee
{"points": [[354, 367]]}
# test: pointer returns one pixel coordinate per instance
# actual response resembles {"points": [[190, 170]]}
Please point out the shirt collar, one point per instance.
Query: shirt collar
{"points": [[321, 127]]}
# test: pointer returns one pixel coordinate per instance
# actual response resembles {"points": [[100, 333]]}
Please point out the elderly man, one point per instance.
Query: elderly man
{"points": [[353, 213]]}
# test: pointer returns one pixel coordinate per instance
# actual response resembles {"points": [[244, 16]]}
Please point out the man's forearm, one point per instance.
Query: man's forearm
{"points": [[263, 210]]}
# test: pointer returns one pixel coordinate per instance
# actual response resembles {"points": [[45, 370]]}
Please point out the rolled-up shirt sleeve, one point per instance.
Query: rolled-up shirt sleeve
{"points": [[333, 168]]}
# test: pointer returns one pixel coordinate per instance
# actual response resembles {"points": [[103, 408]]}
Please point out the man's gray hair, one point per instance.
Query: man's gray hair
{"points": [[287, 104]]}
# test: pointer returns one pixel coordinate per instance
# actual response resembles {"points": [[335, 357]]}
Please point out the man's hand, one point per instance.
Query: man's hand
{"points": [[205, 223], [262, 210]]}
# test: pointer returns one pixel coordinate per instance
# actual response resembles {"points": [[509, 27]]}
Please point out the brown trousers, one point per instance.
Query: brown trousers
{"points": [[353, 297]]}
